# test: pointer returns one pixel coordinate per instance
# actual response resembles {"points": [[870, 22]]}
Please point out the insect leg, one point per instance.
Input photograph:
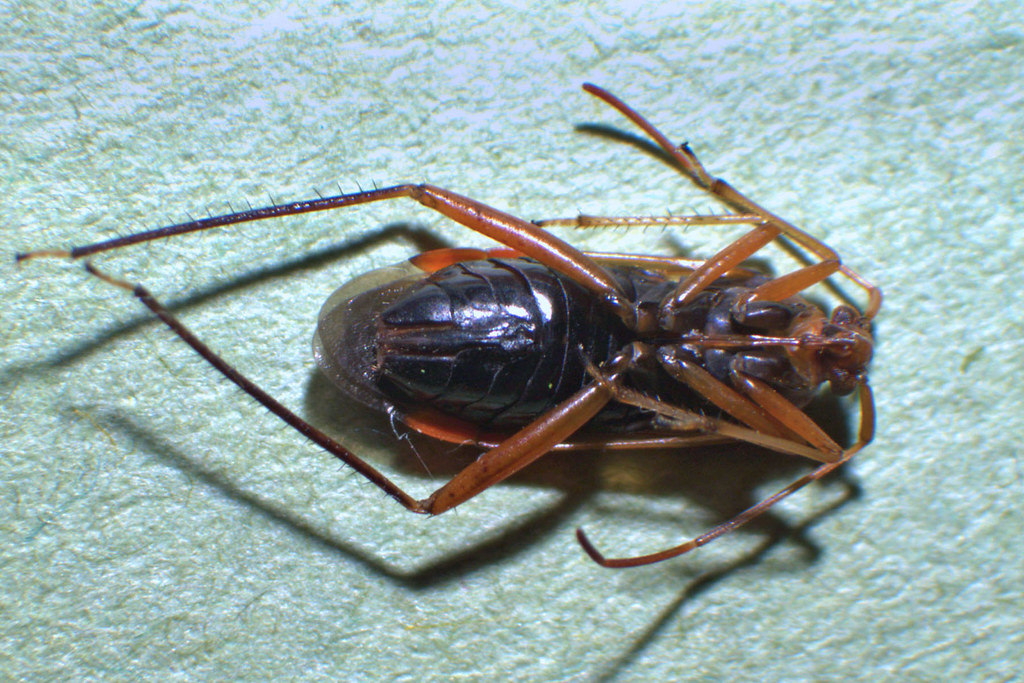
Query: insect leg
{"points": [[864, 436], [265, 399], [788, 414], [522, 236], [721, 395], [725, 260], [793, 283], [492, 466], [585, 221], [438, 259], [732, 198], [533, 440], [778, 288], [680, 420], [519, 450], [670, 266]]}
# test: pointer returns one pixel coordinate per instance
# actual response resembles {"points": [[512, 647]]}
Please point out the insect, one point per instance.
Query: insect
{"points": [[536, 346]]}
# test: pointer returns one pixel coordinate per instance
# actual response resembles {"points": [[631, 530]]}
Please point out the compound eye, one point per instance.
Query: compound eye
{"points": [[842, 382], [844, 315]]}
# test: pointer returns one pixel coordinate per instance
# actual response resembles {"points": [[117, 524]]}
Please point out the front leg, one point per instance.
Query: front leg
{"points": [[737, 201]]}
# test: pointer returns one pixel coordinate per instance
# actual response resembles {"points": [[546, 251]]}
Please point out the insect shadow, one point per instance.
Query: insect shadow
{"points": [[694, 331], [417, 236], [720, 480], [709, 577]]}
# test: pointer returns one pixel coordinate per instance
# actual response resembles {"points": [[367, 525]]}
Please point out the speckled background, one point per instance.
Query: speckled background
{"points": [[157, 524]]}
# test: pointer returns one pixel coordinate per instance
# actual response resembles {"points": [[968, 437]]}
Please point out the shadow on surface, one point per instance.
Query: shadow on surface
{"points": [[722, 480], [420, 238], [777, 533]]}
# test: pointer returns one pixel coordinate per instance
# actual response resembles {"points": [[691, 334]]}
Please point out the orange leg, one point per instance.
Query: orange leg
{"points": [[520, 235], [671, 266], [584, 221], [494, 465], [732, 198], [438, 259], [771, 421], [721, 395], [864, 436], [718, 265], [706, 271], [793, 283], [682, 420], [788, 414]]}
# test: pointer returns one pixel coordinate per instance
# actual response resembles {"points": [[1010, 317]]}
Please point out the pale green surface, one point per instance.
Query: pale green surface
{"points": [[157, 524]]}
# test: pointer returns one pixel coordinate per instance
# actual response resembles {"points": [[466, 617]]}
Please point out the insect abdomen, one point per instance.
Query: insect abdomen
{"points": [[494, 342]]}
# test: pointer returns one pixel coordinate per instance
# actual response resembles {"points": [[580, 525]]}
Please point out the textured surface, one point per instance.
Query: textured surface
{"points": [[155, 523]]}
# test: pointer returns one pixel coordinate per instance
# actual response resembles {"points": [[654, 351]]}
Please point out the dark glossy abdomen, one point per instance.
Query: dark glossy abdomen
{"points": [[494, 342], [499, 342]]}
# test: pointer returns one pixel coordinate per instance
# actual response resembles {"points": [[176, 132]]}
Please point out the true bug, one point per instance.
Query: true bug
{"points": [[536, 346]]}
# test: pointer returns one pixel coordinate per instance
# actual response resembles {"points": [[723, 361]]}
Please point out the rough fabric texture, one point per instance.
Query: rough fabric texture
{"points": [[156, 523]]}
